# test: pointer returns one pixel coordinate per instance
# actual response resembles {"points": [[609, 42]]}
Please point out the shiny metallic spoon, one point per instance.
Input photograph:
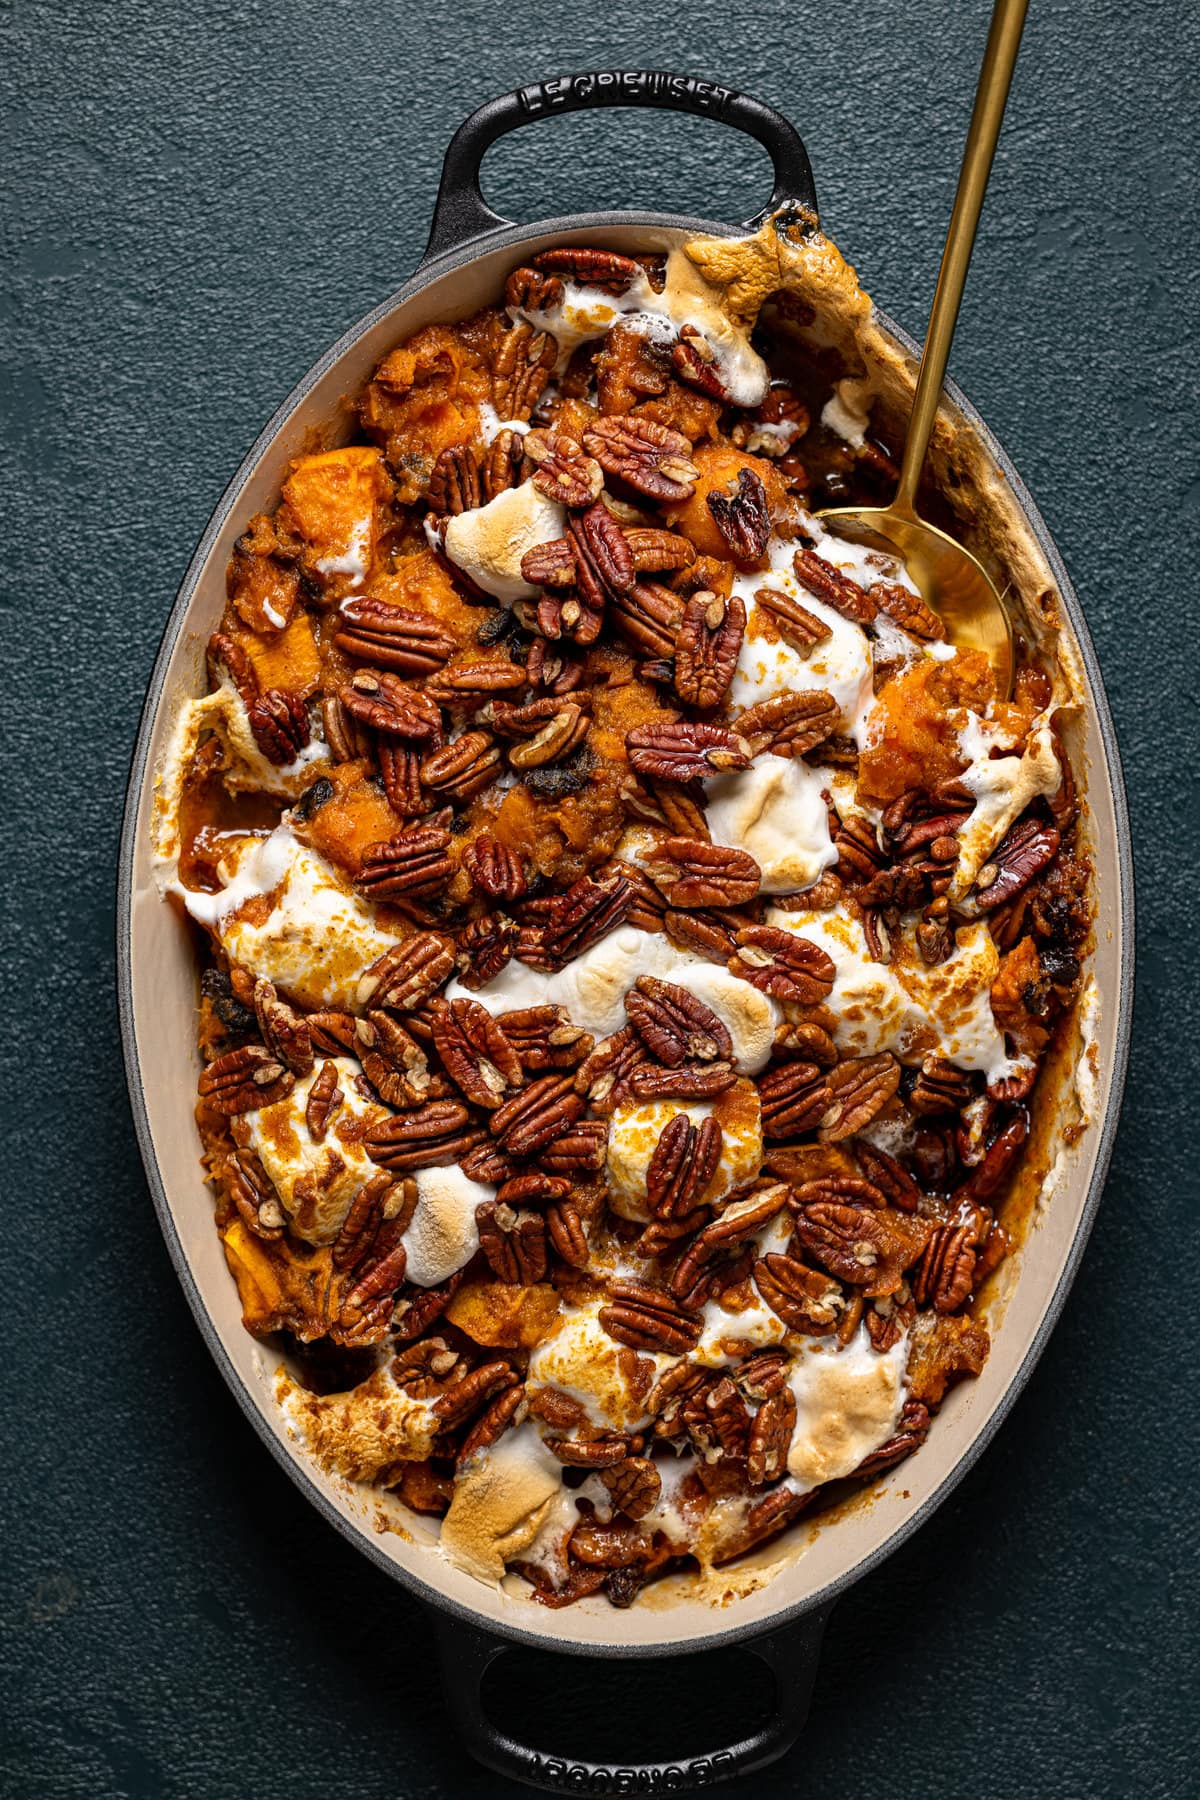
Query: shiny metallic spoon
{"points": [[948, 577]]}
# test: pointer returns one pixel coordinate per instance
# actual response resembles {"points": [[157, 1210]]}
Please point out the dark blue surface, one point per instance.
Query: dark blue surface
{"points": [[203, 196]]}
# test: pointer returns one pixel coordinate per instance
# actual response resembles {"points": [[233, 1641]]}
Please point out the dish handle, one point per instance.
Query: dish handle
{"points": [[465, 1654], [461, 214]]}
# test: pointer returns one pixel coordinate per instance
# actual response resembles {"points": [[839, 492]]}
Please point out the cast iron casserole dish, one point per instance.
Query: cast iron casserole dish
{"points": [[470, 251]]}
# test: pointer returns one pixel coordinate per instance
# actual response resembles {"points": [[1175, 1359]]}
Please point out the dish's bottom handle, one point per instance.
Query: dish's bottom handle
{"points": [[791, 1654]]}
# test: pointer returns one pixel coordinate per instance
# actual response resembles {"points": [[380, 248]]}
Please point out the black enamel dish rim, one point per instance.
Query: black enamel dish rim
{"points": [[429, 271]]}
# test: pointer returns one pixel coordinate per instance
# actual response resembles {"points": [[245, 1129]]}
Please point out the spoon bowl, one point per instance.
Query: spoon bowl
{"points": [[949, 579]]}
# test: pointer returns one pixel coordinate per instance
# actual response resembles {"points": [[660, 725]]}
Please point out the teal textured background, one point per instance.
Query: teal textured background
{"points": [[200, 198]]}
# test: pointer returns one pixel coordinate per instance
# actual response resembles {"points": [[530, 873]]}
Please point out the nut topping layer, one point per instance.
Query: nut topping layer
{"points": [[634, 935]]}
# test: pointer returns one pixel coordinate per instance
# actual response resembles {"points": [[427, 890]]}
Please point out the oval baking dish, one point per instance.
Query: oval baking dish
{"points": [[471, 250]]}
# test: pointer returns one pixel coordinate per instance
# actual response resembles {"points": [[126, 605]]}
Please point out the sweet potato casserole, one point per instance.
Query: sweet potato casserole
{"points": [[631, 933]]}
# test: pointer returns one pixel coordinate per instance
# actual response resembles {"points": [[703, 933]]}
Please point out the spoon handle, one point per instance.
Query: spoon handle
{"points": [[995, 76]]}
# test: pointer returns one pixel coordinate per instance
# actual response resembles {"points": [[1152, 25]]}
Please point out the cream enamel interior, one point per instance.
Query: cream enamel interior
{"points": [[163, 1065]]}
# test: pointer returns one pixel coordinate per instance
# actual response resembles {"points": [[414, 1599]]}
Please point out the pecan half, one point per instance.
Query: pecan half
{"points": [[834, 588], [888, 1176], [454, 483], [797, 626], [324, 1099], [690, 1081], [858, 1089], [770, 1438], [940, 1087], [416, 1311], [389, 705], [945, 1274], [650, 458], [279, 723], [794, 1099], [603, 561], [508, 1408], [465, 1396], [675, 1024], [513, 1243], [522, 361], [285, 1032], [990, 1173], [805, 1299], [347, 739], [707, 648], [550, 565], [379, 1202], [646, 1318], [253, 1193], [685, 750], [867, 1247], [783, 965], [634, 1486], [565, 729], [413, 864], [694, 873], [495, 869], [906, 609], [588, 911], [564, 1226], [243, 1080], [475, 1052], [468, 684], [695, 362], [605, 269], [657, 552], [400, 772], [544, 1038], [431, 1137], [485, 946], [541, 1112], [1023, 853], [562, 471], [684, 1161], [532, 290], [603, 1077], [790, 724], [762, 1374], [404, 977], [648, 616], [332, 1033], [742, 517], [502, 461], [463, 768]]}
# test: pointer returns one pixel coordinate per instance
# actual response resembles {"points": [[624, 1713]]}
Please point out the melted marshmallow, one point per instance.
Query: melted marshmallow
{"points": [[443, 1235], [848, 1400], [488, 542], [594, 986], [501, 1501], [775, 811], [587, 313], [316, 1182], [316, 938]]}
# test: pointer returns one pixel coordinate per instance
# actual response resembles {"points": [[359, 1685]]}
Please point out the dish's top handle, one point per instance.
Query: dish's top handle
{"points": [[461, 214]]}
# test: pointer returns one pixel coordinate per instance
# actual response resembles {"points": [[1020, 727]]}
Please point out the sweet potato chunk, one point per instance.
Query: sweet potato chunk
{"points": [[1019, 998], [286, 659], [944, 1347], [504, 1317], [358, 814], [335, 503], [912, 742], [719, 466], [423, 399], [279, 1288]]}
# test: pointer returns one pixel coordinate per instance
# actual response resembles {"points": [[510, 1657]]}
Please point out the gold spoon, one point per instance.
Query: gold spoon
{"points": [[948, 577]]}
